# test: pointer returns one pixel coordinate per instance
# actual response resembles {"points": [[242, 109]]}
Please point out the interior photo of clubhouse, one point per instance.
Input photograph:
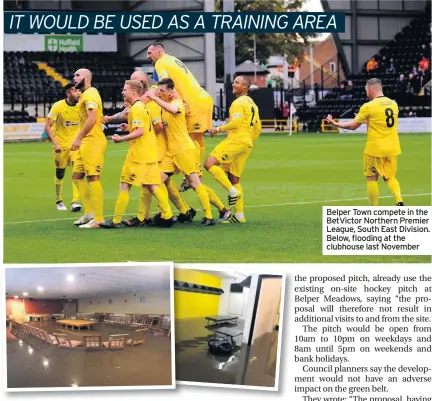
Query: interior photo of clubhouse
{"points": [[87, 327], [228, 327]]}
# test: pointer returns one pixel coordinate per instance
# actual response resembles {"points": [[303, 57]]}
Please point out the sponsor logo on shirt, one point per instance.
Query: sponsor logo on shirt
{"points": [[237, 115], [92, 105], [71, 123], [137, 122]]}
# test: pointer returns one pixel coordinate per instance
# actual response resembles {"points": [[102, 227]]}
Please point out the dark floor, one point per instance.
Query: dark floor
{"points": [[254, 366], [33, 363]]}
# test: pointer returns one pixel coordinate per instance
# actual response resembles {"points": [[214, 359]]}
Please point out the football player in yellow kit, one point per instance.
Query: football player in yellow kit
{"points": [[62, 125], [141, 165], [143, 217], [199, 104], [235, 170], [244, 116], [91, 143], [181, 154], [382, 144]]}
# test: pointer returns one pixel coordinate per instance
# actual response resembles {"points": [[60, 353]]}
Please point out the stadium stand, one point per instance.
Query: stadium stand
{"points": [[404, 53], [38, 77]]}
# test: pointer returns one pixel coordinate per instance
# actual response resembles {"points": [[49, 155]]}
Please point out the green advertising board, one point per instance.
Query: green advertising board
{"points": [[64, 43]]}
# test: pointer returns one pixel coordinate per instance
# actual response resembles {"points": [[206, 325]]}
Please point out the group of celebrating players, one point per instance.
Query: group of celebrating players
{"points": [[166, 123]]}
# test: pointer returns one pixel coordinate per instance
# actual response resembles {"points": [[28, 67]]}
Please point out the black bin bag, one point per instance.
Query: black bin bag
{"points": [[220, 345]]}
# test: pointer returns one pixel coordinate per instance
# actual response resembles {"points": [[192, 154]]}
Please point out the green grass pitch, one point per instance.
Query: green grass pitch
{"points": [[286, 182]]}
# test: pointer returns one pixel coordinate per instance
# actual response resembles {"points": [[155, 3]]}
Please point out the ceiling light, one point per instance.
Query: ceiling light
{"points": [[25, 293], [16, 296], [70, 278], [45, 362], [40, 289], [30, 351]]}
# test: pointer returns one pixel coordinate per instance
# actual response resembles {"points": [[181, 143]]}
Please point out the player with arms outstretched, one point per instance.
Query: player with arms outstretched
{"points": [[241, 129], [62, 125], [141, 164], [382, 145]]}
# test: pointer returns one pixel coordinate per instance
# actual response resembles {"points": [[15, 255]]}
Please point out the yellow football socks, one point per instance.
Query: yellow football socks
{"points": [[220, 176], [162, 198], [75, 192], [120, 207], [59, 189], [394, 187], [204, 200], [240, 204], [96, 191], [85, 195], [214, 199], [373, 192], [202, 151], [175, 197], [145, 204], [198, 153]]}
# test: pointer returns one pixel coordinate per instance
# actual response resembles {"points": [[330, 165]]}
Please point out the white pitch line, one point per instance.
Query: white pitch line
{"points": [[251, 206]]}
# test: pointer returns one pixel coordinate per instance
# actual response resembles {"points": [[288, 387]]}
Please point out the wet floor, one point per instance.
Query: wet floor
{"points": [[251, 366], [33, 363]]}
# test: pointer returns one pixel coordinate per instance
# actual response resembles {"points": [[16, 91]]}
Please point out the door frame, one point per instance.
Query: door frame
{"points": [[257, 298]]}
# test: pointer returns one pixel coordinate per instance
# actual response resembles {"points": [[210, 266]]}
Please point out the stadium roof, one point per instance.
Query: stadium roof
{"points": [[249, 67]]}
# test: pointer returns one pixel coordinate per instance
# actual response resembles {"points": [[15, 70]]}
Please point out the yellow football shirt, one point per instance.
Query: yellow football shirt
{"points": [[176, 130], [66, 122], [257, 130], [90, 99], [381, 115], [156, 116], [185, 83], [257, 125], [243, 116], [143, 149]]}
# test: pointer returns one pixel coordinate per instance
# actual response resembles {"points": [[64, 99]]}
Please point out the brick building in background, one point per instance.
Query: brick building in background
{"points": [[325, 55], [251, 70]]}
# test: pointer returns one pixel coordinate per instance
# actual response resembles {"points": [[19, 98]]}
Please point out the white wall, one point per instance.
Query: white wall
{"points": [[36, 43], [250, 307], [268, 306], [156, 303], [233, 303]]}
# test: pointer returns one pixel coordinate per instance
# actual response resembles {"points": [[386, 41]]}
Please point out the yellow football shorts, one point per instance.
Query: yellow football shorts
{"points": [[186, 162], [139, 174], [383, 166], [228, 151], [90, 158], [200, 117], [65, 157], [166, 165], [237, 166]]}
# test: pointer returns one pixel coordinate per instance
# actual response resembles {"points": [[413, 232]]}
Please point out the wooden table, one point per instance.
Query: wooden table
{"points": [[75, 323], [39, 316]]}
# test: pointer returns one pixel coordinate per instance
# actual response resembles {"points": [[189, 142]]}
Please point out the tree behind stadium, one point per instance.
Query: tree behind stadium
{"points": [[267, 44]]}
